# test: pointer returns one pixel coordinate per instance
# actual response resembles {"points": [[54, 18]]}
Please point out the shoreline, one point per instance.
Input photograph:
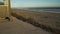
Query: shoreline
{"points": [[51, 11]]}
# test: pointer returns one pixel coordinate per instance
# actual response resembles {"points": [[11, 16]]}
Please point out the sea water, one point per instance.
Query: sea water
{"points": [[44, 9]]}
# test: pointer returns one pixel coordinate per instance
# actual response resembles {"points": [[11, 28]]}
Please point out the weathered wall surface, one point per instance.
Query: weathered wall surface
{"points": [[3, 10]]}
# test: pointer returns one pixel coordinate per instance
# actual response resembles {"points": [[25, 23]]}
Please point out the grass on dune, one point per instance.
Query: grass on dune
{"points": [[31, 17]]}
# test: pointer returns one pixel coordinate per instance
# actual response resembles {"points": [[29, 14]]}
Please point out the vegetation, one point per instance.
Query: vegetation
{"points": [[1, 3], [46, 21]]}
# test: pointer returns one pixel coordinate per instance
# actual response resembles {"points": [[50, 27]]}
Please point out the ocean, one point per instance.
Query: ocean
{"points": [[43, 9]]}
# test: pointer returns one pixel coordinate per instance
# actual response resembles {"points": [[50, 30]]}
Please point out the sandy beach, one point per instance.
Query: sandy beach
{"points": [[19, 27]]}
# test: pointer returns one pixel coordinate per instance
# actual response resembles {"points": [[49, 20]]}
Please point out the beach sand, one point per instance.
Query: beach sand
{"points": [[19, 27]]}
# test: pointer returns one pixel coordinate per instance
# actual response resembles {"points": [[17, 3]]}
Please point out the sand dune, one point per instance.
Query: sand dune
{"points": [[19, 27], [49, 20]]}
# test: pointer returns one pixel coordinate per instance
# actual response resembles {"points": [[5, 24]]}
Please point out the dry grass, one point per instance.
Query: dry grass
{"points": [[44, 20]]}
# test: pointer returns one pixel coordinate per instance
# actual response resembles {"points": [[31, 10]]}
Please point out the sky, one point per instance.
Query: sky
{"points": [[1, 0], [35, 3]]}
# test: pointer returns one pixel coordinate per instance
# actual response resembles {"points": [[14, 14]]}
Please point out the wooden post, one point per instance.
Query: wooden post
{"points": [[7, 4], [5, 10]]}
